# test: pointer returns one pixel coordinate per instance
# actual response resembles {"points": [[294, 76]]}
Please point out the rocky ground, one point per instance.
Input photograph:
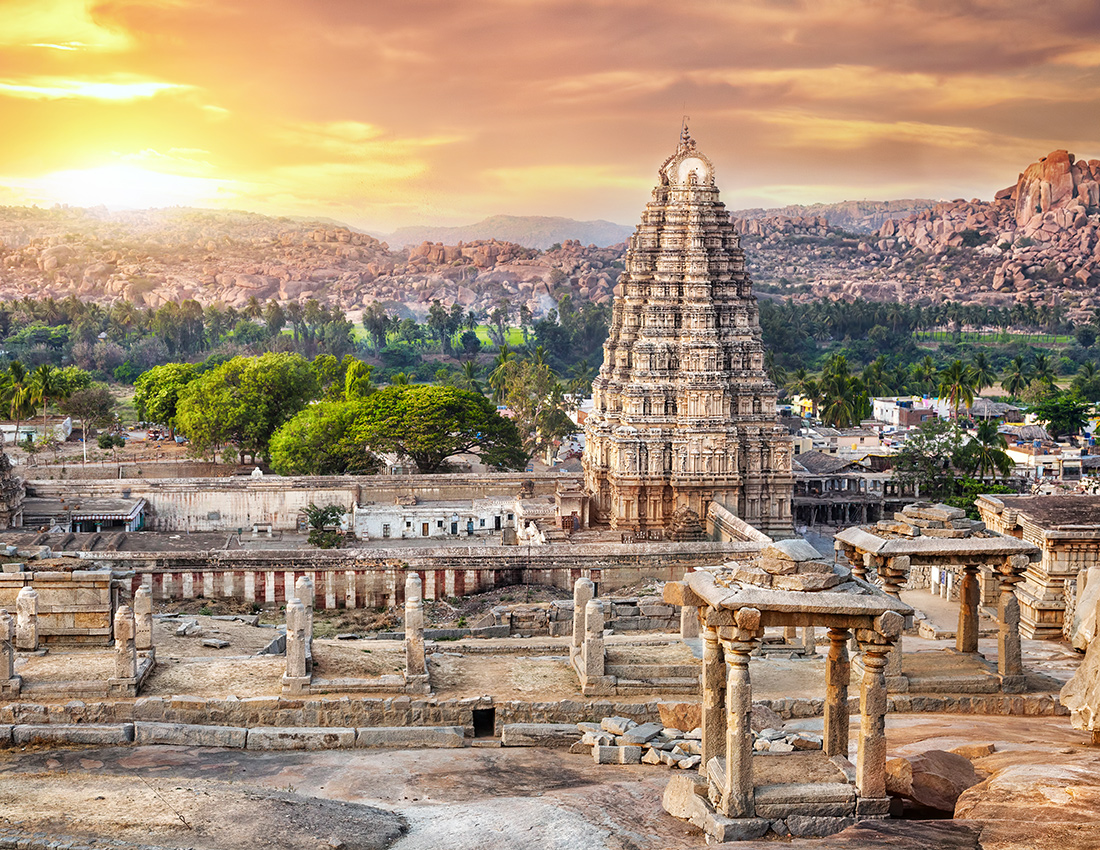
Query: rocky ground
{"points": [[1040, 789]]}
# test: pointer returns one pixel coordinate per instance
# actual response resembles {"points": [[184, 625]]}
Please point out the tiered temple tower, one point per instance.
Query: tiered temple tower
{"points": [[684, 413]]}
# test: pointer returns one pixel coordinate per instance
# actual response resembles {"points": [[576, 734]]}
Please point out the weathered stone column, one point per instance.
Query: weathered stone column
{"points": [[7, 646], [143, 619], [304, 590], [809, 640], [894, 572], [838, 672], [296, 639], [689, 622], [714, 699], [737, 802], [592, 652], [1010, 663], [967, 638], [871, 758], [125, 651], [26, 619], [583, 590], [415, 664]]}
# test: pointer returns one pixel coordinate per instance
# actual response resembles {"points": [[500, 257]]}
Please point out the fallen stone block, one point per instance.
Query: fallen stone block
{"points": [[805, 741], [5, 736], [630, 755], [651, 756], [723, 829], [641, 734], [580, 748], [974, 751], [933, 779], [685, 797], [680, 715], [554, 735], [780, 747], [601, 739], [411, 737], [690, 762], [617, 725], [72, 733], [299, 738], [190, 735], [605, 755], [215, 643], [803, 826]]}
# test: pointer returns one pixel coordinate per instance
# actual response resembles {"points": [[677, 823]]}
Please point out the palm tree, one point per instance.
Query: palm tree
{"points": [[18, 395], [875, 379], [924, 374], [986, 451], [957, 384], [1016, 378], [399, 379], [1043, 371], [45, 386], [498, 377], [984, 375], [467, 378]]}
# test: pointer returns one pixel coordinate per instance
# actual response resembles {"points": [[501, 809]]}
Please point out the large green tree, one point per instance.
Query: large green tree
{"points": [[157, 392], [1063, 413], [244, 401], [429, 424], [322, 440], [927, 459]]}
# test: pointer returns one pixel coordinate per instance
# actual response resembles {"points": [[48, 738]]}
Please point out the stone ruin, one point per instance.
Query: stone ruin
{"points": [[940, 539], [134, 654], [740, 790], [604, 671], [299, 679]]}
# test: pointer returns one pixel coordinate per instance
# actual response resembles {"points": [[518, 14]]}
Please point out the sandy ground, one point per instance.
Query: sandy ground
{"points": [[1042, 792]]}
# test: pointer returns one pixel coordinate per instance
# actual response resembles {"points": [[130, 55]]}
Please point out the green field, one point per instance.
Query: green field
{"points": [[993, 337]]}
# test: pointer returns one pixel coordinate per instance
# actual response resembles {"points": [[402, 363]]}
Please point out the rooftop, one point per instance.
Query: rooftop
{"points": [[1055, 511]]}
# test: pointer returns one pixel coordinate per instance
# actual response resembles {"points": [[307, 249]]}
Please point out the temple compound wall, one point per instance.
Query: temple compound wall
{"points": [[684, 412], [228, 504]]}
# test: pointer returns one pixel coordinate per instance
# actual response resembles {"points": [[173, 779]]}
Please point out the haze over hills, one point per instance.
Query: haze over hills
{"points": [[532, 231], [1037, 241]]}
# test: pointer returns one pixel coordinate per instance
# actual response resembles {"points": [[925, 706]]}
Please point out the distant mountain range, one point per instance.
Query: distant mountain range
{"points": [[531, 231]]}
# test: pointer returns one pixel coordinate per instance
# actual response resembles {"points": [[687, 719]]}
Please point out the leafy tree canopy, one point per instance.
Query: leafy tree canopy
{"points": [[157, 392], [321, 440], [1064, 413], [430, 424], [244, 401]]}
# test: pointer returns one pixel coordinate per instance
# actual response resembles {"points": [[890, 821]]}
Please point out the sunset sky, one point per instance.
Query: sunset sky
{"points": [[384, 114]]}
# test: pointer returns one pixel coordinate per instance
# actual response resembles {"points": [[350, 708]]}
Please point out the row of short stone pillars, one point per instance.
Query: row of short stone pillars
{"points": [[299, 638], [133, 628]]}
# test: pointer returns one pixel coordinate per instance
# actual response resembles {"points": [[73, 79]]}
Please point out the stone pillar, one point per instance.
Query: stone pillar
{"points": [[737, 801], [790, 634], [714, 699], [592, 652], [7, 646], [838, 672], [297, 636], [415, 664], [583, 590], [894, 572], [143, 619], [1009, 656], [26, 619], [304, 590], [125, 650], [689, 622], [967, 638], [809, 640], [871, 758]]}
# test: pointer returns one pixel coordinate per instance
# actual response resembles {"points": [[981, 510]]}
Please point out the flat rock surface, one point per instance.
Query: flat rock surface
{"points": [[1042, 791]]}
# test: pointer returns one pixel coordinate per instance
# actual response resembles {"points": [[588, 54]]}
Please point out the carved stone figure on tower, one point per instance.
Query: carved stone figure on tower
{"points": [[683, 380]]}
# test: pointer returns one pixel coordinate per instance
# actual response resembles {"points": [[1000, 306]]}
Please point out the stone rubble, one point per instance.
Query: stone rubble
{"points": [[620, 740]]}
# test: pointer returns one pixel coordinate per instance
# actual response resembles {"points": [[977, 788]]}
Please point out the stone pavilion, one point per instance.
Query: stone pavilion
{"points": [[684, 412]]}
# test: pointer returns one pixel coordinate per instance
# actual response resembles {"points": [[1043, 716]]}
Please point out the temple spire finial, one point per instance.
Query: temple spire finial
{"points": [[686, 141]]}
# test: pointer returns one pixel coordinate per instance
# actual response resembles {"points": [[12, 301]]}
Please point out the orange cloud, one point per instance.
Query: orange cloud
{"points": [[390, 114]]}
